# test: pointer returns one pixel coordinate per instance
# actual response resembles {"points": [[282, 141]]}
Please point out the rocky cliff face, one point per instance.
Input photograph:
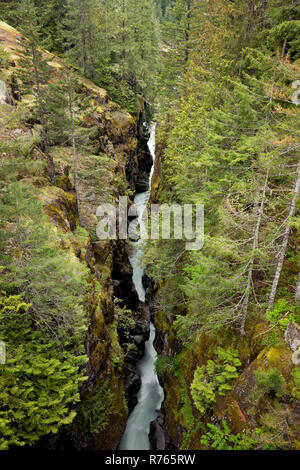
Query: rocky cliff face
{"points": [[103, 411]]}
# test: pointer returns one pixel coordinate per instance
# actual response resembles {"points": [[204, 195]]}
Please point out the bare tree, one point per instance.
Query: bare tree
{"points": [[254, 250], [75, 163], [284, 243]]}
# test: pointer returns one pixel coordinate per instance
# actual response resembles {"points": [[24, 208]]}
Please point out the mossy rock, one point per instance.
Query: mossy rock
{"points": [[102, 414], [172, 406], [237, 406], [60, 206], [117, 416], [108, 307]]}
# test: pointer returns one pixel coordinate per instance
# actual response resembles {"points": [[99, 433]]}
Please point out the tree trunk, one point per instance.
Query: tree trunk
{"points": [[297, 294], [75, 166], [187, 31], [50, 163], [254, 249], [284, 47], [284, 244], [123, 54], [84, 57]]}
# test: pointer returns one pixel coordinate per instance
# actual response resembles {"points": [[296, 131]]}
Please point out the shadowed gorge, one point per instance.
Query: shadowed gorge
{"points": [[150, 396]]}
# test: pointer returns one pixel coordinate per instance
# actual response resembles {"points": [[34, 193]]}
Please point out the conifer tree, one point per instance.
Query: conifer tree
{"points": [[176, 40], [285, 16], [39, 382], [220, 146], [35, 265], [52, 14], [66, 109], [131, 36], [82, 34], [285, 240], [34, 71]]}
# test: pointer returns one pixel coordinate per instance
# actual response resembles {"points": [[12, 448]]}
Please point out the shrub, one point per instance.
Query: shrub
{"points": [[282, 314], [42, 322], [39, 382], [214, 378], [101, 400], [269, 381], [296, 376], [221, 438]]}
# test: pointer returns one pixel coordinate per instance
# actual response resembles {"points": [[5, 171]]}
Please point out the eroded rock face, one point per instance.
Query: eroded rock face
{"points": [[132, 385], [5, 95], [292, 336], [145, 160], [157, 433], [242, 408], [2, 92], [237, 407]]}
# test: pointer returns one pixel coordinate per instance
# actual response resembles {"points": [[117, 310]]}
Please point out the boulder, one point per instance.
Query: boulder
{"points": [[292, 336], [5, 96], [132, 385], [157, 434]]}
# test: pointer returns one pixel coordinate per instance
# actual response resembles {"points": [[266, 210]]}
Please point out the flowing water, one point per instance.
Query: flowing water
{"points": [[151, 395]]}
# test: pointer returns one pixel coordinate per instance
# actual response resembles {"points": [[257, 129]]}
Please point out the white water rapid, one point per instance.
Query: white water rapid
{"points": [[151, 395]]}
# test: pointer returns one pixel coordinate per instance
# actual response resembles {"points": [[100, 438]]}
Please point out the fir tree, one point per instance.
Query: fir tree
{"points": [[40, 381], [66, 111], [34, 71], [34, 265], [82, 35]]}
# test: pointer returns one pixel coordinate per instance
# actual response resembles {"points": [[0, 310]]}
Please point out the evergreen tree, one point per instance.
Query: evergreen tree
{"points": [[34, 71], [176, 43], [132, 43], [227, 148], [82, 35], [285, 32], [66, 110], [42, 322], [7, 11], [35, 266], [39, 383], [52, 14]]}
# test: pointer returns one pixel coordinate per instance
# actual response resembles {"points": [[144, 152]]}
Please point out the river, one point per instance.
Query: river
{"points": [[151, 394]]}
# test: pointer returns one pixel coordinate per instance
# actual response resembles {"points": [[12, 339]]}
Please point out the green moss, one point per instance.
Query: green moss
{"points": [[95, 409], [283, 313], [4, 59], [81, 234], [269, 381], [295, 390], [117, 356]]}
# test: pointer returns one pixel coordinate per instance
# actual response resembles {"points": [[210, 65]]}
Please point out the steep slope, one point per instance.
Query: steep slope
{"points": [[112, 170], [228, 138]]}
